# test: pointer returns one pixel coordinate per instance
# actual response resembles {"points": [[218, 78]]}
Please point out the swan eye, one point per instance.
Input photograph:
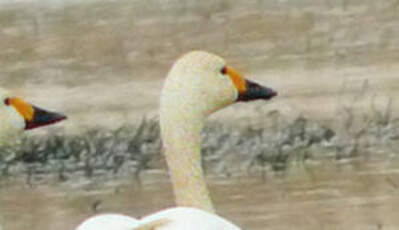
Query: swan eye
{"points": [[7, 101], [223, 70]]}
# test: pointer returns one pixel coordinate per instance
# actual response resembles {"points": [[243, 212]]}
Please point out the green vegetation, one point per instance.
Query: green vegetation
{"points": [[80, 44], [273, 147]]}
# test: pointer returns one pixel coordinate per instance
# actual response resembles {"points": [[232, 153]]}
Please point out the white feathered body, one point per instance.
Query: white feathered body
{"points": [[180, 218]]}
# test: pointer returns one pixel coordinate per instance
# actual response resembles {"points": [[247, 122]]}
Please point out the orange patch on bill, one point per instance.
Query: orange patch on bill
{"points": [[238, 81], [25, 109]]}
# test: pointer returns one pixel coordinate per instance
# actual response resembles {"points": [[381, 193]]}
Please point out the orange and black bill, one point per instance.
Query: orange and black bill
{"points": [[248, 90], [42, 117], [34, 116], [254, 91]]}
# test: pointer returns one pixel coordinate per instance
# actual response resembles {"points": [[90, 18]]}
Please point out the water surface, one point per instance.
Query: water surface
{"points": [[361, 194]]}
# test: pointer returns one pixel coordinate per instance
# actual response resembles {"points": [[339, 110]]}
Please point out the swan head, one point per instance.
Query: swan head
{"points": [[198, 84], [204, 82], [18, 115]]}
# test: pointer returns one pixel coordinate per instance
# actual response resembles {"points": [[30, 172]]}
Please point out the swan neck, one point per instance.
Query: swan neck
{"points": [[181, 134]]}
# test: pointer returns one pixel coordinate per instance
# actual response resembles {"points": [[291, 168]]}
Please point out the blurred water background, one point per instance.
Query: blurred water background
{"points": [[322, 155]]}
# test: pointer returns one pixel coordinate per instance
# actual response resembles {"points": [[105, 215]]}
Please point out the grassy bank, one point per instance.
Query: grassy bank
{"points": [[274, 146]]}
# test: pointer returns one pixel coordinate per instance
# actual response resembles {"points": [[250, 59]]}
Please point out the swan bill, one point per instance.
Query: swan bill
{"points": [[33, 116], [42, 117], [254, 91]]}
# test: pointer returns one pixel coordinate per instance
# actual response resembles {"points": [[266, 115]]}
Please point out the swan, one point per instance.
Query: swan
{"points": [[198, 84], [16, 115]]}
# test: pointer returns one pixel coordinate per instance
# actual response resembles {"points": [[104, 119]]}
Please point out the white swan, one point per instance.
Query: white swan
{"points": [[198, 84], [16, 115]]}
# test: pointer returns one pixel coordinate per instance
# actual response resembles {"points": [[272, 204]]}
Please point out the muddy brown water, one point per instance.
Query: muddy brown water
{"points": [[360, 194]]}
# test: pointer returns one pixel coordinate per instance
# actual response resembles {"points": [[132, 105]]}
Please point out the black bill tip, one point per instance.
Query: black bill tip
{"points": [[254, 91], [42, 117]]}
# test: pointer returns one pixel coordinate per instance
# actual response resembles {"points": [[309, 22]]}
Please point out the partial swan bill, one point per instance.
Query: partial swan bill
{"points": [[43, 117], [34, 116], [255, 91], [248, 90]]}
